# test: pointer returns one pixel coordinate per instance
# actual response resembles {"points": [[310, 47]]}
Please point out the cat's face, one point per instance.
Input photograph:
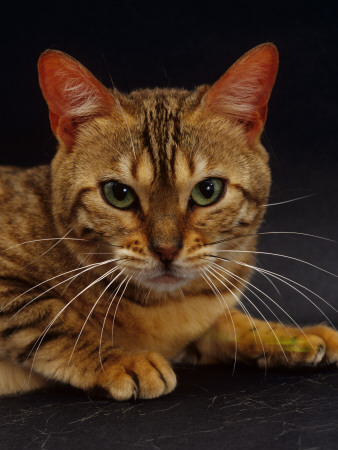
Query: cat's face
{"points": [[159, 179]]}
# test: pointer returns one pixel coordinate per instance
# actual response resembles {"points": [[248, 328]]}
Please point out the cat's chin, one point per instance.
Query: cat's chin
{"points": [[166, 282]]}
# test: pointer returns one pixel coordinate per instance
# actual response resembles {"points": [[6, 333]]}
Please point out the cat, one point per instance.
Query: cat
{"points": [[130, 252]]}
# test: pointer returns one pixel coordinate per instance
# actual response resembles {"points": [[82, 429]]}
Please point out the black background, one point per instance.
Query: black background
{"points": [[184, 44]]}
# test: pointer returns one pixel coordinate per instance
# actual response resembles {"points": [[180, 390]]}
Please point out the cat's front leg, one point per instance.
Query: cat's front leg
{"points": [[267, 344], [60, 350]]}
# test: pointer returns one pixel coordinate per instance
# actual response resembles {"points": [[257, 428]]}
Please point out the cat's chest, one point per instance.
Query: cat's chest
{"points": [[167, 328]]}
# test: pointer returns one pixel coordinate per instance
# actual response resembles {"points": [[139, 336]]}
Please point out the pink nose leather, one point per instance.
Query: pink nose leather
{"points": [[167, 254]]}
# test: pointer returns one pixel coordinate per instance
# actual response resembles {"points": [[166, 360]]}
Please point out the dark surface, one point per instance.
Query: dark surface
{"points": [[210, 409], [184, 44]]}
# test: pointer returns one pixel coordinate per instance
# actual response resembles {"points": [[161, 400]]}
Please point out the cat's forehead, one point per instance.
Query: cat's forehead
{"points": [[149, 170], [165, 147]]}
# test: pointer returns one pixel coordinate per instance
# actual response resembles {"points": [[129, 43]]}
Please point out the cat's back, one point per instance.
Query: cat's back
{"points": [[25, 203]]}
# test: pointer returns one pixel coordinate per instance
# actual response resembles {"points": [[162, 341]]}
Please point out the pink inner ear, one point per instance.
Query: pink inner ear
{"points": [[244, 90], [72, 93]]}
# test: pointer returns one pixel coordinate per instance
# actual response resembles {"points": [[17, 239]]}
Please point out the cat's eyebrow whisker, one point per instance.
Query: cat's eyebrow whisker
{"points": [[281, 256], [92, 309], [40, 339], [288, 201], [257, 309], [262, 233], [288, 281]]}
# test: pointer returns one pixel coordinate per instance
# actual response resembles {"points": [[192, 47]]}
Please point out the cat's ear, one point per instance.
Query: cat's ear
{"points": [[243, 91], [72, 93]]}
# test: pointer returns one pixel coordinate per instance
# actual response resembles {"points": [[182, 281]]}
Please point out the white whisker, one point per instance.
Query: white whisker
{"points": [[266, 233], [288, 201], [51, 248], [244, 308], [117, 305], [288, 282], [83, 270], [227, 313], [246, 283], [44, 239], [259, 312], [92, 309], [281, 256], [111, 301], [39, 340]]}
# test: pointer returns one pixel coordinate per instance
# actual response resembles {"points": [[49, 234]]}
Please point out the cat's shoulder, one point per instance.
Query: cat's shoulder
{"points": [[15, 174], [19, 185]]}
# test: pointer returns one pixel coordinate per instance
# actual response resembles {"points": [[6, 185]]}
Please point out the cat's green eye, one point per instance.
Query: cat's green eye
{"points": [[118, 194], [207, 192]]}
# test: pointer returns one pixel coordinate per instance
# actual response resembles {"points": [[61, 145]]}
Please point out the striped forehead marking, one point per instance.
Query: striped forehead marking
{"points": [[160, 136]]}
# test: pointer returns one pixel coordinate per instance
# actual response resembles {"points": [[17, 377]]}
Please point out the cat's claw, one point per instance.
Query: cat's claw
{"points": [[138, 376]]}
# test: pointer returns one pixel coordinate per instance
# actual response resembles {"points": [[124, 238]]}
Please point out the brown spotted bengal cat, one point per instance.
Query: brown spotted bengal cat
{"points": [[131, 251]]}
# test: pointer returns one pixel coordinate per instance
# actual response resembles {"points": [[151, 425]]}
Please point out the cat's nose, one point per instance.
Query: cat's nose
{"points": [[167, 253]]}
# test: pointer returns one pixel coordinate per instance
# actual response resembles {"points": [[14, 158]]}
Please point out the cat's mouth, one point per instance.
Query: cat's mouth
{"points": [[166, 280]]}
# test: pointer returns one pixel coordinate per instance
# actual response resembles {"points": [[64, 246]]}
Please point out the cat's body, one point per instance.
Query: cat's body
{"points": [[127, 253]]}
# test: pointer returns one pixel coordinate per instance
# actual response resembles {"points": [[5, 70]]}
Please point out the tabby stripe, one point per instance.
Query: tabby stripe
{"points": [[104, 359], [246, 194], [147, 143], [173, 159], [54, 335], [78, 200], [191, 164], [7, 332], [13, 258], [133, 169], [26, 353], [14, 309], [51, 336], [8, 278], [92, 352], [85, 344]]}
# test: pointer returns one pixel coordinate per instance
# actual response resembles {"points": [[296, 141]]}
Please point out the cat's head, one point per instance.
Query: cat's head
{"points": [[156, 178]]}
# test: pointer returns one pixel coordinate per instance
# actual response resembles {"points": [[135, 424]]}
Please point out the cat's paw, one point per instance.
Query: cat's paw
{"points": [[311, 347], [137, 375], [330, 338]]}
